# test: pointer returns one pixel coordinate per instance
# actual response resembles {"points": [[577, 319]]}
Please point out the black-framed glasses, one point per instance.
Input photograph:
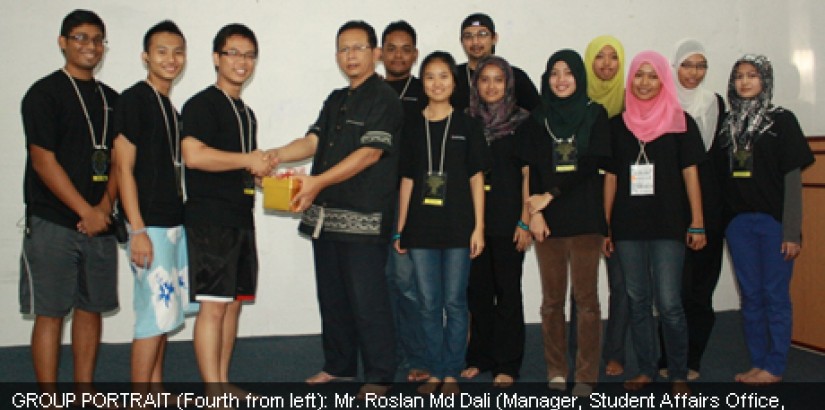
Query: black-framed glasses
{"points": [[85, 39], [481, 35], [234, 53]]}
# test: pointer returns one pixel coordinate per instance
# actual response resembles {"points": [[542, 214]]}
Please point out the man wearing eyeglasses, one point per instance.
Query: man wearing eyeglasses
{"points": [[69, 259], [479, 39], [347, 204], [219, 148]]}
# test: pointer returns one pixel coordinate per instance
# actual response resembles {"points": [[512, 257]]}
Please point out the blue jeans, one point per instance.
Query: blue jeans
{"points": [[403, 289], [755, 241], [442, 282], [653, 272]]}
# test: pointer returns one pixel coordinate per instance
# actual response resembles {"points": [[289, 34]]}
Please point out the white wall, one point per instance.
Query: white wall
{"points": [[296, 71]]}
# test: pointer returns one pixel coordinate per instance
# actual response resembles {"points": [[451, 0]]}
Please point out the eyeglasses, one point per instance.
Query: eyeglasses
{"points": [[357, 48], [234, 53], [481, 35], [85, 39], [695, 66]]}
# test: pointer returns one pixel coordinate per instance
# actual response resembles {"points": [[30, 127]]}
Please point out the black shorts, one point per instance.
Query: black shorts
{"points": [[223, 263]]}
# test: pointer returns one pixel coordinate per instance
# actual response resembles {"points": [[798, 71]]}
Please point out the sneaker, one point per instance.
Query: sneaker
{"points": [[557, 383]]}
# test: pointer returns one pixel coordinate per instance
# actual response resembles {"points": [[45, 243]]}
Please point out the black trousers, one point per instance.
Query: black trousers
{"points": [[355, 309], [496, 308]]}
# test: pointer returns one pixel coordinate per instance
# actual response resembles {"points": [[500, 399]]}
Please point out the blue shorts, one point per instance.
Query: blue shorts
{"points": [[62, 269], [161, 292]]}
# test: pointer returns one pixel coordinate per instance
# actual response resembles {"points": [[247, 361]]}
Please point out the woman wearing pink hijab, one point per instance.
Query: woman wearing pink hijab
{"points": [[651, 187]]}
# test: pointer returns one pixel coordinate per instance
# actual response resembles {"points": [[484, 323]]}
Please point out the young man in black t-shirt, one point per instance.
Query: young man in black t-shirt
{"points": [[222, 162], [398, 55], [149, 163], [479, 39], [69, 260], [348, 204]]}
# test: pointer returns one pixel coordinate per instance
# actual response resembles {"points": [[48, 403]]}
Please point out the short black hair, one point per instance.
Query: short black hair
{"points": [[442, 56], [399, 25], [79, 17], [360, 25], [234, 29], [165, 26]]}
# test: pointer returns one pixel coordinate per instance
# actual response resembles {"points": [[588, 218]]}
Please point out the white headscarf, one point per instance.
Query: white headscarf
{"points": [[699, 102]]}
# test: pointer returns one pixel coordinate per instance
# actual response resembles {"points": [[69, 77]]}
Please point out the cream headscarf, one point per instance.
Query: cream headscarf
{"points": [[699, 102], [609, 93]]}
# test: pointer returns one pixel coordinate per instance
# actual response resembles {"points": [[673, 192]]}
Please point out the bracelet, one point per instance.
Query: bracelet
{"points": [[523, 225], [700, 231], [396, 236], [137, 231]]}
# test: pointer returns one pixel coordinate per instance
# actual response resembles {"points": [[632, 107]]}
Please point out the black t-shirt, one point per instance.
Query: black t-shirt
{"points": [[666, 214], [218, 198], [53, 119], [577, 207], [140, 119], [527, 96], [413, 98], [466, 153], [503, 198], [781, 149]]}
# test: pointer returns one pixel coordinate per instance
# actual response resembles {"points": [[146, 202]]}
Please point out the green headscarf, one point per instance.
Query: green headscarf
{"points": [[574, 114]]}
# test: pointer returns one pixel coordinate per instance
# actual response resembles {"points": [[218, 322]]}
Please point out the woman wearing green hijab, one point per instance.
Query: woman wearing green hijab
{"points": [[571, 136]]}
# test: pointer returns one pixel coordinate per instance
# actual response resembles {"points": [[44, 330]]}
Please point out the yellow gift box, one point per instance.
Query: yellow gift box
{"points": [[279, 192]]}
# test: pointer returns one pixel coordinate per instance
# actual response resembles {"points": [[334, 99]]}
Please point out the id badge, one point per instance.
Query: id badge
{"points": [[742, 164], [641, 179], [100, 165], [435, 189], [248, 184], [179, 179], [565, 156]]}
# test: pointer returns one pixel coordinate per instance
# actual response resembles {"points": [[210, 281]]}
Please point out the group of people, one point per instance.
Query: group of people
{"points": [[459, 171]]}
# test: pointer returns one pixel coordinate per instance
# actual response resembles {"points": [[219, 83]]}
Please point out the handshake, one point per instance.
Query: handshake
{"points": [[261, 163]]}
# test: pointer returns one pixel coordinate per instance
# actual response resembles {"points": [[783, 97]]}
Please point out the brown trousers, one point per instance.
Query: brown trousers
{"points": [[581, 254]]}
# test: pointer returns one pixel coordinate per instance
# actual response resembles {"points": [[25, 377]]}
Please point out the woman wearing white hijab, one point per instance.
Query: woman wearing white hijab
{"points": [[702, 267]]}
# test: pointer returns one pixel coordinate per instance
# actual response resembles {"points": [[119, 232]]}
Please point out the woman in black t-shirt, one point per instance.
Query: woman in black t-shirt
{"points": [[569, 139], [494, 293], [651, 189], [441, 218], [766, 151]]}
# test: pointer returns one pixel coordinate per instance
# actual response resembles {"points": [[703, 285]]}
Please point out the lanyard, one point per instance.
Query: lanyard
{"points": [[240, 124], [407, 85], [174, 148], [469, 79], [554, 137], [642, 153], [443, 144], [95, 145]]}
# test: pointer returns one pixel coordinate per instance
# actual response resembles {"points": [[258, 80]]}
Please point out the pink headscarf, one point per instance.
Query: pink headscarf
{"points": [[662, 114]]}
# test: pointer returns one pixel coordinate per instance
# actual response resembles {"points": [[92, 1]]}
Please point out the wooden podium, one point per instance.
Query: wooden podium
{"points": [[808, 282]]}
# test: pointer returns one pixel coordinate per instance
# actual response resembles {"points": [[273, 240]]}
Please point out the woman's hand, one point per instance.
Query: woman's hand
{"points": [[791, 250], [476, 243], [607, 246], [522, 239], [538, 227], [537, 203]]}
